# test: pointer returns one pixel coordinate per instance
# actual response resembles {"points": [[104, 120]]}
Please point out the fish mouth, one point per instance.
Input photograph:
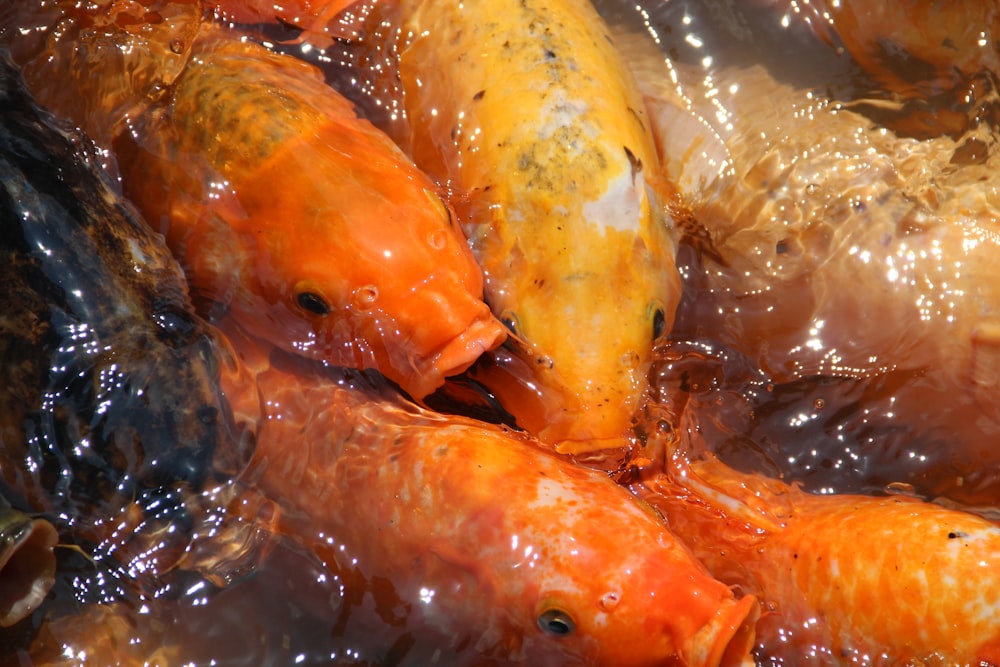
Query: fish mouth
{"points": [[728, 638], [27, 564], [482, 335]]}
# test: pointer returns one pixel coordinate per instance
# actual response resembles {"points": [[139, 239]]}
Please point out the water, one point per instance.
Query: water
{"points": [[837, 329]]}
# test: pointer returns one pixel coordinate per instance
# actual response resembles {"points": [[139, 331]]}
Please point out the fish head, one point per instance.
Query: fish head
{"points": [[371, 272], [648, 618], [607, 583], [574, 369]]}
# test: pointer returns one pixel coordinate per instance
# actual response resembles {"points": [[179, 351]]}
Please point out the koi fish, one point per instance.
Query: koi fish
{"points": [[845, 579], [817, 199], [494, 549], [324, 238], [914, 48], [27, 563], [529, 114], [109, 377], [312, 16], [113, 423]]}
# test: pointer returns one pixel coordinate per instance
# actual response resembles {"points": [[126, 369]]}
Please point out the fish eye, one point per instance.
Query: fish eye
{"points": [[313, 302], [659, 323], [556, 622]]}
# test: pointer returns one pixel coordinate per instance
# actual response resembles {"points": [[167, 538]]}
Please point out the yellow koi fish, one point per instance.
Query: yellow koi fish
{"points": [[527, 112]]}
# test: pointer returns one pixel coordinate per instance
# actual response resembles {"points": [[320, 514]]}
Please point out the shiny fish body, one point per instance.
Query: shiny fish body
{"points": [[285, 208], [108, 379], [477, 546], [914, 48], [844, 579], [528, 113]]}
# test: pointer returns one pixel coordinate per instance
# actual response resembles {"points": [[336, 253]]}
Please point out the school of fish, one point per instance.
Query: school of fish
{"points": [[412, 332]]}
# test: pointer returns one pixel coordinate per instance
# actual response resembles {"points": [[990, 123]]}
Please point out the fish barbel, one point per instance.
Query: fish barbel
{"points": [[845, 579], [527, 112], [284, 207], [498, 552]]}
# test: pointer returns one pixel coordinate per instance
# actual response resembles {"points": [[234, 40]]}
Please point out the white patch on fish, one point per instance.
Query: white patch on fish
{"points": [[620, 207]]}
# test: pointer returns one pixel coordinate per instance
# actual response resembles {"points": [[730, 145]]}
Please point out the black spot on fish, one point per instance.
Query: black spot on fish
{"points": [[634, 161]]}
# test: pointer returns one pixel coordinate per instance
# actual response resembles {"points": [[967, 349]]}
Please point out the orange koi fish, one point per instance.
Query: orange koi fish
{"points": [[846, 579], [498, 552], [528, 112], [304, 221], [310, 15]]}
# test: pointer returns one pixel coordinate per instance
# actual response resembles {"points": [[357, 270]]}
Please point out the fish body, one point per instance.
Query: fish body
{"points": [[477, 546], [112, 420], [528, 114], [844, 579], [110, 378], [915, 48], [284, 207], [816, 199], [130, 50]]}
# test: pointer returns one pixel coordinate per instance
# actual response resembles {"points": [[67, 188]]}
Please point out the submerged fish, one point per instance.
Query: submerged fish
{"points": [[109, 382], [914, 48], [842, 249], [285, 208], [476, 546], [845, 579], [528, 113]]}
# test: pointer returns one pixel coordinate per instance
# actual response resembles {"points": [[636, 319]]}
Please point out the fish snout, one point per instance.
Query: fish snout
{"points": [[450, 350], [728, 638]]}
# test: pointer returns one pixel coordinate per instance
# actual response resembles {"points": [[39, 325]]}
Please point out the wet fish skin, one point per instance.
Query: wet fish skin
{"points": [[844, 578], [478, 545], [283, 206], [562, 200], [108, 379]]}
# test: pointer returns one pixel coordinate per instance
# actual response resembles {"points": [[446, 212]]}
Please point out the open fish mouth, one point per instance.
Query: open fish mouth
{"points": [[728, 639], [27, 563], [483, 334]]}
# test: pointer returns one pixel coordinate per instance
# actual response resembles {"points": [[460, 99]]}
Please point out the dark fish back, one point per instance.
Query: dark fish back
{"points": [[108, 379]]}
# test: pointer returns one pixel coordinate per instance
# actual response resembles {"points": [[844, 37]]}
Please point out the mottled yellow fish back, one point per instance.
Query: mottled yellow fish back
{"points": [[528, 109]]}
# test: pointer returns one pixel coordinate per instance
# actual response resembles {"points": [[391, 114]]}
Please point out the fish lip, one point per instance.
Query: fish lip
{"points": [[28, 568], [728, 638], [483, 334]]}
